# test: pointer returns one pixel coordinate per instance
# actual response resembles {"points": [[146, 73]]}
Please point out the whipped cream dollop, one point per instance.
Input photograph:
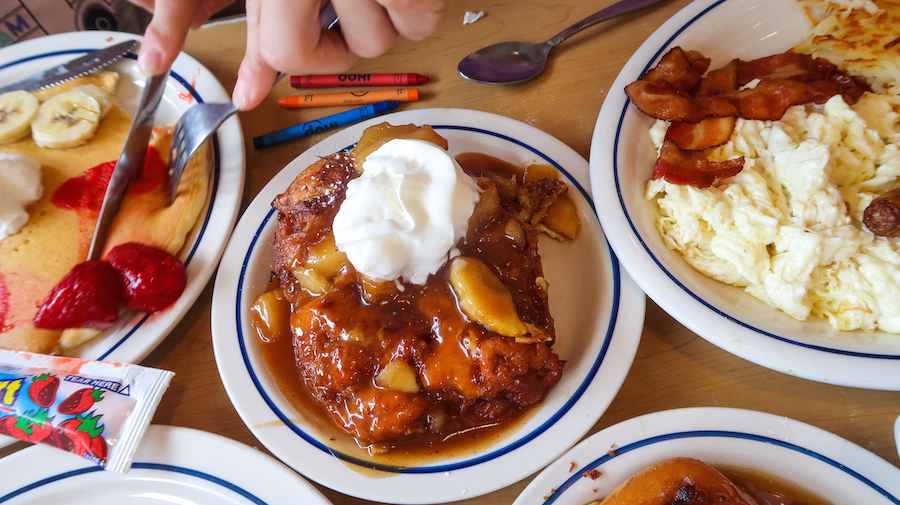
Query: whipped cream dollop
{"points": [[401, 217], [20, 186]]}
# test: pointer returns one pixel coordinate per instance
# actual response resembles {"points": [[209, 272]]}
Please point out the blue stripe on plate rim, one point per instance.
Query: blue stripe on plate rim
{"points": [[474, 461], [656, 260], [140, 466], [214, 186], [597, 463]]}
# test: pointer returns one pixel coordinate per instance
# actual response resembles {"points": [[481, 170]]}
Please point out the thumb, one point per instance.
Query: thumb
{"points": [[165, 35]]}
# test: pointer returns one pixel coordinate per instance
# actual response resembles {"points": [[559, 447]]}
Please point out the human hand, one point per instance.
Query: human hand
{"points": [[166, 32], [287, 36]]}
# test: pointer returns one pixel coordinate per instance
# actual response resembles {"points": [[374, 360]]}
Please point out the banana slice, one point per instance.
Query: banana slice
{"points": [[103, 97], [17, 110], [66, 120]]}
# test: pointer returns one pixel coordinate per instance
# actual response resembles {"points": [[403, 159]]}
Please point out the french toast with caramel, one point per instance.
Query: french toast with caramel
{"points": [[392, 361]]}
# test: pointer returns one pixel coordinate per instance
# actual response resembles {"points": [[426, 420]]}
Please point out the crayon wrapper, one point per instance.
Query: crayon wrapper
{"points": [[98, 410]]}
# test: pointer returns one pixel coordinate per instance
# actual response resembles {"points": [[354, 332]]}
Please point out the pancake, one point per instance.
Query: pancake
{"points": [[55, 239]]}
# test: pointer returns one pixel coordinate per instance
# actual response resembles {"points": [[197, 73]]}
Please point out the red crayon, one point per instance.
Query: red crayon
{"points": [[327, 81]]}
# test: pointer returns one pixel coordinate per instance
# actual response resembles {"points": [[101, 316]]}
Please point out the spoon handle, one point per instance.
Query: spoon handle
{"points": [[614, 10]]}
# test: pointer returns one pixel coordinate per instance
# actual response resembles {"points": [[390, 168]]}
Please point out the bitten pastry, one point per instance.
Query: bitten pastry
{"points": [[684, 481]]}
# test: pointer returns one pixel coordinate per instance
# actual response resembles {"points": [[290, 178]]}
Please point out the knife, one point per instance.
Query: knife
{"points": [[78, 67], [131, 161]]}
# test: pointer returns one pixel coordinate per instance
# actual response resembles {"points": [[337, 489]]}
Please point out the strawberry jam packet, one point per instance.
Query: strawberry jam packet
{"points": [[98, 410]]}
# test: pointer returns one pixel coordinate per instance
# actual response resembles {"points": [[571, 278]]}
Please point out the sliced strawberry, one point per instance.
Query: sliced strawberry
{"points": [[87, 297], [154, 279]]}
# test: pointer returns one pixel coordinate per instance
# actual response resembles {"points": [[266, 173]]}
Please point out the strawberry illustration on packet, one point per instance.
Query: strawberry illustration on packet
{"points": [[95, 409]]}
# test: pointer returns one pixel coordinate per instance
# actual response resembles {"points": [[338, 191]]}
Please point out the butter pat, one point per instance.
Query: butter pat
{"points": [[402, 216], [20, 186]]}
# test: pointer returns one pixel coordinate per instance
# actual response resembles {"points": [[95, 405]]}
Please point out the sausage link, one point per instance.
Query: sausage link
{"points": [[882, 216]]}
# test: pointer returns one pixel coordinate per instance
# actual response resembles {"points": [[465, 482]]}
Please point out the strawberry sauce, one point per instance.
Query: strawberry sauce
{"points": [[4, 304], [85, 192]]}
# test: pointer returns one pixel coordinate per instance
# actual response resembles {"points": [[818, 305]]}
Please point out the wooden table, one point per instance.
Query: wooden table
{"points": [[674, 367]]}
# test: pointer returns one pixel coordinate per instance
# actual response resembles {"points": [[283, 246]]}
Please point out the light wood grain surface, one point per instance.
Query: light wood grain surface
{"points": [[674, 367]]}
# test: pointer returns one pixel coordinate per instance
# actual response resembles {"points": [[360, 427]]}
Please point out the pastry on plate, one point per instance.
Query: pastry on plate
{"points": [[419, 305]]}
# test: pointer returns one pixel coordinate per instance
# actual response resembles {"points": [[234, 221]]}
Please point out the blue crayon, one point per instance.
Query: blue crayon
{"points": [[325, 123]]}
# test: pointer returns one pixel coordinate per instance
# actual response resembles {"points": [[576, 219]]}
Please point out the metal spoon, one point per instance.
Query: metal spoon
{"points": [[512, 62]]}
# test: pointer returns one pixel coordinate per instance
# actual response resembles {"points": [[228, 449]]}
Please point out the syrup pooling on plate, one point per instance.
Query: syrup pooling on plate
{"points": [[394, 361], [770, 489]]}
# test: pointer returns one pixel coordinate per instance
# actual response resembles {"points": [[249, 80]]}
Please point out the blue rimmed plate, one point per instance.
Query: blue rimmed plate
{"points": [[622, 158], [172, 465], [814, 459], [132, 339], [598, 311]]}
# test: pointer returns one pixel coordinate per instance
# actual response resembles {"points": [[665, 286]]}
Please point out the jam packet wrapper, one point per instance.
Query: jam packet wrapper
{"points": [[98, 410]]}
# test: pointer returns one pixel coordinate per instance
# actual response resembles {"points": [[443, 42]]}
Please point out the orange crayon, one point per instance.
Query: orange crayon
{"points": [[350, 98]]}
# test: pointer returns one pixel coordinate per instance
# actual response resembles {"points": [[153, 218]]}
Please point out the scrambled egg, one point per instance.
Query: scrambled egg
{"points": [[788, 228]]}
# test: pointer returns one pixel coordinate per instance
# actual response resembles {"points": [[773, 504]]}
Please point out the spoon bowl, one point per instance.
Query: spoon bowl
{"points": [[506, 62], [514, 62]]}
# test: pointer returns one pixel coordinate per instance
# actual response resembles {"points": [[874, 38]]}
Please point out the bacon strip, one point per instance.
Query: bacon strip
{"points": [[680, 166], [710, 132], [771, 98], [719, 81], [785, 65], [679, 67], [703, 110], [785, 80], [661, 100]]}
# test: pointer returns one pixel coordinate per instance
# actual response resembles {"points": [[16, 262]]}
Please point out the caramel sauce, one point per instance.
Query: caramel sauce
{"points": [[278, 354], [769, 489]]}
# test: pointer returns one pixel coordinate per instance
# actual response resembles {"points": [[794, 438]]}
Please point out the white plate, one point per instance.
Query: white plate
{"points": [[897, 434], [622, 158], [172, 465], [814, 459], [598, 311], [189, 82], [131, 340]]}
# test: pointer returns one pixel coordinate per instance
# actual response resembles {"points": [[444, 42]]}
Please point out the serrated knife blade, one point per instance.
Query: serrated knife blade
{"points": [[90, 62], [130, 162]]}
